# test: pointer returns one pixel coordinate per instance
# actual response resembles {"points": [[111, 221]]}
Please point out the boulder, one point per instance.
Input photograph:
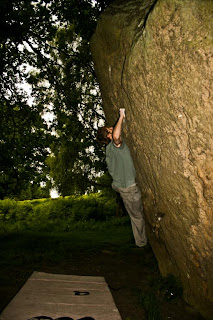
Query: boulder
{"points": [[155, 58]]}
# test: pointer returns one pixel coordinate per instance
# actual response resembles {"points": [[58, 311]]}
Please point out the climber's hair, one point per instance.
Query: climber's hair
{"points": [[102, 135]]}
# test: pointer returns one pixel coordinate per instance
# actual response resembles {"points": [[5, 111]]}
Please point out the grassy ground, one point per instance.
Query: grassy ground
{"points": [[103, 250]]}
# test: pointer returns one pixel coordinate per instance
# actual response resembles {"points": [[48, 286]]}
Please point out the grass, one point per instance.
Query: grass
{"points": [[38, 234], [22, 252], [150, 305]]}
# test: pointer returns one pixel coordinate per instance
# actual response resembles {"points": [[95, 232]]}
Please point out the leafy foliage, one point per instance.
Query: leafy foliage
{"points": [[23, 145], [23, 138], [77, 106], [52, 37], [39, 213], [170, 287]]}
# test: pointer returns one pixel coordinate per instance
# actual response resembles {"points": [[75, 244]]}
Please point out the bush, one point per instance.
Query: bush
{"points": [[24, 209], [62, 212], [8, 209], [171, 288], [150, 305]]}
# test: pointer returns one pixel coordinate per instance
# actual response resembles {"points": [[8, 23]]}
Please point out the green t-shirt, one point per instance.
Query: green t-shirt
{"points": [[120, 165]]}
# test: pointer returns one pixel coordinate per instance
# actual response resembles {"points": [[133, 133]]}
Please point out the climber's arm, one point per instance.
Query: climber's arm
{"points": [[116, 135]]}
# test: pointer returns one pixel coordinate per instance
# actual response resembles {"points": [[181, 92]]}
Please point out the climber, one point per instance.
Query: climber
{"points": [[121, 168]]}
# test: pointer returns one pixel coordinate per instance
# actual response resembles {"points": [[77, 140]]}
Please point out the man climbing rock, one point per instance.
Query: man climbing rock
{"points": [[121, 168]]}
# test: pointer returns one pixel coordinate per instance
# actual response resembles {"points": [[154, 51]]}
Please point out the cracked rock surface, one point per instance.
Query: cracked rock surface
{"points": [[155, 58]]}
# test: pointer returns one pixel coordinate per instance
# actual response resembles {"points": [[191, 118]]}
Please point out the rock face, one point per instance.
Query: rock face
{"points": [[155, 58]]}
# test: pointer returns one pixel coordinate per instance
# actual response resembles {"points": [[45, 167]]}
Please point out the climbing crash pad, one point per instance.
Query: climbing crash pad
{"points": [[58, 295]]}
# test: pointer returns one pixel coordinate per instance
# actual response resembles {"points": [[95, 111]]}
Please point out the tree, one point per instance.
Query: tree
{"points": [[23, 137], [51, 36], [23, 148], [77, 107], [74, 94]]}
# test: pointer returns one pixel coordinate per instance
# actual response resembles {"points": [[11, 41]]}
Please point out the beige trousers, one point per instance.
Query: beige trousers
{"points": [[132, 200]]}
